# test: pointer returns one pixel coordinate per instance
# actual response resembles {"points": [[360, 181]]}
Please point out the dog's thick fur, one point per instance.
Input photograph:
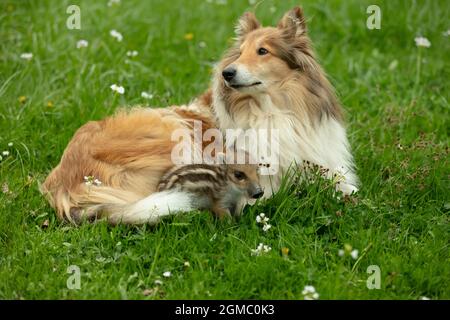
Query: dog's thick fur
{"points": [[293, 96], [130, 151]]}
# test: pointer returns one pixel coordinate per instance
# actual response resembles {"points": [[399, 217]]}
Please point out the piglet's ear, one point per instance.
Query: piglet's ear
{"points": [[293, 23], [246, 24]]}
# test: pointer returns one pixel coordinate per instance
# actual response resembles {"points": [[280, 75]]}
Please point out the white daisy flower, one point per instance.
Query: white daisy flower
{"points": [[146, 95], [113, 2], [158, 282], [26, 55], [260, 249], [257, 251], [118, 89], [186, 264], [82, 44], [261, 218], [309, 293], [88, 180], [348, 251], [5, 153], [10, 144], [133, 53], [91, 180], [117, 35], [422, 42], [167, 274], [308, 289]]}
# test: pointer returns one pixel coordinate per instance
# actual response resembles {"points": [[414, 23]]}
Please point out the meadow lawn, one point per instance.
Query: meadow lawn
{"points": [[397, 111]]}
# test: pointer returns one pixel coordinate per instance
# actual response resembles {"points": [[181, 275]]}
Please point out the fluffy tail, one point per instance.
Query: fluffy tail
{"points": [[148, 210]]}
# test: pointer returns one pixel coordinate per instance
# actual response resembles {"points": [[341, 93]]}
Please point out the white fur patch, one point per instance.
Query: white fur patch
{"points": [[154, 207], [324, 144]]}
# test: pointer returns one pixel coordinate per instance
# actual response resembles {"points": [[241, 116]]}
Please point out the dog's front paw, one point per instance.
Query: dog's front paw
{"points": [[346, 189]]}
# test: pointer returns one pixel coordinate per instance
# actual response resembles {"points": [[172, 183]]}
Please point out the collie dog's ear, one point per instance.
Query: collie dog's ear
{"points": [[293, 23], [246, 23]]}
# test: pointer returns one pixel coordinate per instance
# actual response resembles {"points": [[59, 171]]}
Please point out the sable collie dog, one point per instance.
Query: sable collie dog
{"points": [[268, 80]]}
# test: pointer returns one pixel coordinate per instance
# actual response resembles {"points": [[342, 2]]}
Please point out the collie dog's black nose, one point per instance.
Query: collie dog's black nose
{"points": [[228, 74]]}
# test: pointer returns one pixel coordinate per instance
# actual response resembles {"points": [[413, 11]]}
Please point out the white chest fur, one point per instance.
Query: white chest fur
{"points": [[324, 142]]}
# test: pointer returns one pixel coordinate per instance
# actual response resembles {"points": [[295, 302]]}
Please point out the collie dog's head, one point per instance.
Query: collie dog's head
{"points": [[275, 60]]}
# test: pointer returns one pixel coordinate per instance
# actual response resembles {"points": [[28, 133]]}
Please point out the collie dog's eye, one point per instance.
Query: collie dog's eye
{"points": [[239, 175], [262, 51]]}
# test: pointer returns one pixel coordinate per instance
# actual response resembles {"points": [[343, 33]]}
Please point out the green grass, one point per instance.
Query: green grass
{"points": [[398, 129]]}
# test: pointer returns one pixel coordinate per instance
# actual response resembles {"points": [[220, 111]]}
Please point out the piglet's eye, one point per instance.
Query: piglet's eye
{"points": [[262, 51], [239, 175]]}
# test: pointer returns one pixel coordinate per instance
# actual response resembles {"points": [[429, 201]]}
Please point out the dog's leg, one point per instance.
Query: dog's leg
{"points": [[346, 189], [346, 182]]}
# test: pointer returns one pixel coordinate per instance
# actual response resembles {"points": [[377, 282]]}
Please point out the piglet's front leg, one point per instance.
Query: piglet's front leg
{"points": [[220, 212]]}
